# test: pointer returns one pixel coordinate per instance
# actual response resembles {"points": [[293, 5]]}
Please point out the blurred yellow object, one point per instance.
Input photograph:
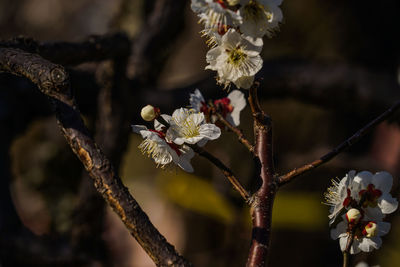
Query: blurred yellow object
{"points": [[196, 194], [299, 211]]}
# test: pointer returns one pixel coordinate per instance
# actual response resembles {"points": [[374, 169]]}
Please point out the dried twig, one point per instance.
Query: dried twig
{"points": [[53, 81], [346, 144]]}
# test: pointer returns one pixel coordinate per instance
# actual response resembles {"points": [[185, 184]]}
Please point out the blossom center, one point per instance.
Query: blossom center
{"points": [[255, 11], [221, 2], [223, 105], [236, 56], [188, 128], [152, 149], [369, 196]]}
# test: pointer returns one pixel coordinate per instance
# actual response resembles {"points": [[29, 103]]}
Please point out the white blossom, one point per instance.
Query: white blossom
{"points": [[236, 58], [260, 17], [372, 190], [162, 151], [188, 126], [216, 15], [363, 241]]}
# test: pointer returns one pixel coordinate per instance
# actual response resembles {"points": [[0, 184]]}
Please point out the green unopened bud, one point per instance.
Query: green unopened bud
{"points": [[370, 230], [149, 113], [353, 216]]}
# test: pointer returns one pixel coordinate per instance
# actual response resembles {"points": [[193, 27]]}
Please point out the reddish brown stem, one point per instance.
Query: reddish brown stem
{"points": [[346, 144], [261, 212], [242, 139]]}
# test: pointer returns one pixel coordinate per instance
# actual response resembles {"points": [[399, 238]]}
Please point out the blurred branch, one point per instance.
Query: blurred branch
{"points": [[225, 170], [154, 43], [53, 81], [358, 89], [345, 145], [263, 199], [95, 48]]}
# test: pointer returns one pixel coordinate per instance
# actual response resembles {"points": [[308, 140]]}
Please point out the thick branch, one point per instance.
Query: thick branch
{"points": [[343, 146], [52, 80], [263, 199], [95, 48], [225, 170]]}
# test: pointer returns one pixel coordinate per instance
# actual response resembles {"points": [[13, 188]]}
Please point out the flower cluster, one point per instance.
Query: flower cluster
{"points": [[359, 202], [229, 107], [169, 141], [235, 29]]}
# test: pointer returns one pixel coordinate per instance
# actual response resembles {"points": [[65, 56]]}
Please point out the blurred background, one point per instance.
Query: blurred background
{"points": [[333, 67]]}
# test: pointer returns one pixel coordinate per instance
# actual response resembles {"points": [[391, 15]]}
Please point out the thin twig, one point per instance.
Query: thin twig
{"points": [[346, 144], [263, 199], [238, 132], [225, 170]]}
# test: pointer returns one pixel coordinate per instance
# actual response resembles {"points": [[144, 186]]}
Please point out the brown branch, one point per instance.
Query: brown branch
{"points": [[242, 139], [95, 48], [343, 146], [225, 170], [263, 199], [53, 81]]}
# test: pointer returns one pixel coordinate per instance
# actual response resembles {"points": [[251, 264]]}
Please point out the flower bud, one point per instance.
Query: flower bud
{"points": [[370, 230], [353, 216], [149, 113]]}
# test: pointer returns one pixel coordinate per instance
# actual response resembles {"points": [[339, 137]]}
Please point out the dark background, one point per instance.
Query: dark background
{"points": [[333, 67]]}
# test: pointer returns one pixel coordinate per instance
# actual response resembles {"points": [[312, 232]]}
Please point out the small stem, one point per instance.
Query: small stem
{"points": [[225, 170], [346, 252], [346, 259], [237, 131], [346, 144]]}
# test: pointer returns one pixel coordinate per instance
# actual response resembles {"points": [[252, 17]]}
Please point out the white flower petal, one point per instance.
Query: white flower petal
{"points": [[210, 131], [355, 247], [387, 203], [138, 128], [383, 181], [363, 178], [383, 228], [196, 100], [367, 245], [343, 242], [339, 230]]}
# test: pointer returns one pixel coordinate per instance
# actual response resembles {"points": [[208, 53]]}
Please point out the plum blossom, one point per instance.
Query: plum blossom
{"points": [[362, 199], [236, 58], [188, 126], [372, 190], [217, 16], [367, 235], [260, 17], [229, 107], [163, 151]]}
